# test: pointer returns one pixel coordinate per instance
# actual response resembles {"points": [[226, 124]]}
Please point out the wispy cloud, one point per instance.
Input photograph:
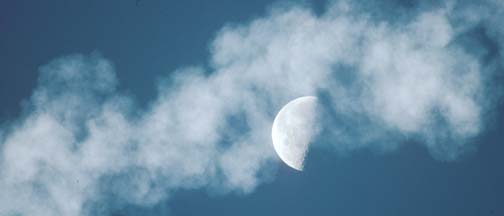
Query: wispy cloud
{"points": [[380, 83]]}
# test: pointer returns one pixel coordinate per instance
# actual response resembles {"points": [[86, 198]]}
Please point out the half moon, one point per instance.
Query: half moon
{"points": [[293, 129]]}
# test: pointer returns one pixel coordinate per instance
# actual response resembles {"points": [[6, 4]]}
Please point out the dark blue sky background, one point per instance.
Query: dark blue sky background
{"points": [[156, 37]]}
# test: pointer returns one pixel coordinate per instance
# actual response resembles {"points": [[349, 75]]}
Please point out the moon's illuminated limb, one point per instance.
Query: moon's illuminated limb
{"points": [[293, 128]]}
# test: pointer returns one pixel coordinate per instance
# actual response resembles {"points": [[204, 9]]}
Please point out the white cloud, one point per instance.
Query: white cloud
{"points": [[383, 82]]}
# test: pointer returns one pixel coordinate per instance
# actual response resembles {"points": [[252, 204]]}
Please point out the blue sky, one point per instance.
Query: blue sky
{"points": [[165, 108]]}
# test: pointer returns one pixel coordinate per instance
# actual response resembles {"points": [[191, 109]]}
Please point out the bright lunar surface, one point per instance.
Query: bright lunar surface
{"points": [[293, 128]]}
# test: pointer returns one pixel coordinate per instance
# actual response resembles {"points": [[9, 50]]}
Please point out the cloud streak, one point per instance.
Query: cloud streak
{"points": [[381, 83]]}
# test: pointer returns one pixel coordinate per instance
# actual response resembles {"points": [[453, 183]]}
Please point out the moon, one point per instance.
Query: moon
{"points": [[293, 129]]}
